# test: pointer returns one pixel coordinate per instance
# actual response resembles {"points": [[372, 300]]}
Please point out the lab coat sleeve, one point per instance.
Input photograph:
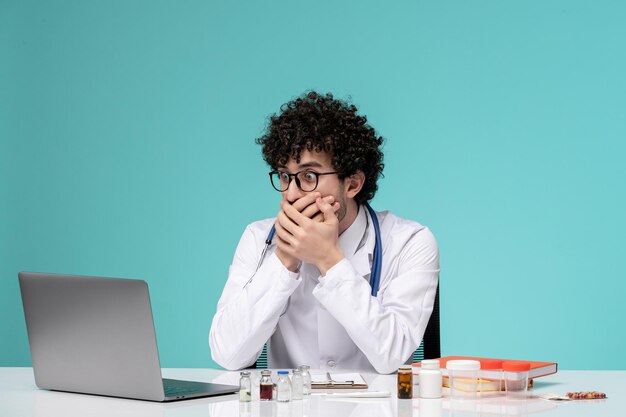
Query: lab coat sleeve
{"points": [[246, 316], [387, 328]]}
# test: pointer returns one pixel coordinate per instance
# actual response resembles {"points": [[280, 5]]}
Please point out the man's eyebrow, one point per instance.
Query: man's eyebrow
{"points": [[311, 164]]}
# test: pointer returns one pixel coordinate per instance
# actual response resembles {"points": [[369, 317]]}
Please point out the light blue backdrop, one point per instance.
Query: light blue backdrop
{"points": [[127, 149]]}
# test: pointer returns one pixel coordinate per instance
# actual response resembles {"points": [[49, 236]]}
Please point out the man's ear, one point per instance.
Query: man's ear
{"points": [[354, 183]]}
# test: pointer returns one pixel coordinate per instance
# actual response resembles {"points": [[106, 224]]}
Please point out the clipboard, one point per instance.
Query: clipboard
{"points": [[338, 381]]}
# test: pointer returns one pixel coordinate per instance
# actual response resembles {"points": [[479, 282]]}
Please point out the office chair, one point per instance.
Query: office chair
{"points": [[430, 348]]}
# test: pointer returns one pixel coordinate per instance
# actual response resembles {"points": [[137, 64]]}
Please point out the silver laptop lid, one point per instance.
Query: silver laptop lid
{"points": [[92, 335]]}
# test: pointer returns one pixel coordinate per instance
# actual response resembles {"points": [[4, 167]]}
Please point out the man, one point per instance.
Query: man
{"points": [[309, 296]]}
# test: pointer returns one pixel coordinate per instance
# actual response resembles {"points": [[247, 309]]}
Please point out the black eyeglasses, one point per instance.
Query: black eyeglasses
{"points": [[305, 180]]}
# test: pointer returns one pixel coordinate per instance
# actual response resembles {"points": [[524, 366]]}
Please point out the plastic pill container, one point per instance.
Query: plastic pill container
{"points": [[516, 378], [463, 377], [491, 380], [430, 379]]}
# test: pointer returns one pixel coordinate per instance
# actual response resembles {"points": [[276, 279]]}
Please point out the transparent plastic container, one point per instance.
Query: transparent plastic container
{"points": [[516, 378], [463, 377], [491, 382]]}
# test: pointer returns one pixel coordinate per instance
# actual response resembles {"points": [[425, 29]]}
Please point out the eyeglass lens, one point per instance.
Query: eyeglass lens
{"points": [[305, 180]]}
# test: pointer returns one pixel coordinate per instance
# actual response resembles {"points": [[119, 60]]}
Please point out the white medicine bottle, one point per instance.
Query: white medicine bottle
{"points": [[430, 379], [283, 387]]}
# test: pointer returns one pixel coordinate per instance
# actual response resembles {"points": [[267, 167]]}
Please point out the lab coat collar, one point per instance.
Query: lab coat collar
{"points": [[352, 236], [357, 243]]}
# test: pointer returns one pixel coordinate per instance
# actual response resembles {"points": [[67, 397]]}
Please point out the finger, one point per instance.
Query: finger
{"points": [[327, 210], [282, 245], [297, 217], [283, 234], [286, 223], [305, 201], [319, 217], [312, 210]]}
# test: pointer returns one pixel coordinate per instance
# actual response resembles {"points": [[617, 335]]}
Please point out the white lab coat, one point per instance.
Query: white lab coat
{"points": [[329, 322]]}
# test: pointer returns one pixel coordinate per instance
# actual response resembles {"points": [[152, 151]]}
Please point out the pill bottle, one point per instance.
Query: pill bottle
{"points": [[266, 386], [430, 379], [405, 382], [245, 387], [491, 381], [297, 384], [516, 378], [283, 387], [306, 379], [463, 377]]}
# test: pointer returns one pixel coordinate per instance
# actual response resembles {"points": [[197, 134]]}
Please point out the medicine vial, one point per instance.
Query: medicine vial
{"points": [[297, 385], [266, 386], [430, 379], [283, 387], [405, 383], [306, 379], [245, 387]]}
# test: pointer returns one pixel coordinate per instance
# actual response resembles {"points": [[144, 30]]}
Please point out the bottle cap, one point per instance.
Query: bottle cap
{"points": [[405, 369], [430, 364], [266, 373], [245, 373], [283, 373], [516, 366], [303, 367], [463, 365], [490, 364], [296, 371]]}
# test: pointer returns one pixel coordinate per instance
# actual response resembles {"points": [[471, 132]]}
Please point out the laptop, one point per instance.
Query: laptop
{"points": [[95, 335]]}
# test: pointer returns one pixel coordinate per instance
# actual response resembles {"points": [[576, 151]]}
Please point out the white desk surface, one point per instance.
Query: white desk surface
{"points": [[19, 397]]}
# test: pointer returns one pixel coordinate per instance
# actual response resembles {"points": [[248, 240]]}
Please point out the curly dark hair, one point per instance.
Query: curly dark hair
{"points": [[319, 123]]}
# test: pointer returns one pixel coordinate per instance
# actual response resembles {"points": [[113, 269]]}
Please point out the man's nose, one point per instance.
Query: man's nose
{"points": [[293, 191]]}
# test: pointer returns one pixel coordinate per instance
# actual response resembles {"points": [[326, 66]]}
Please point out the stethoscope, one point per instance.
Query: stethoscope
{"points": [[376, 262]]}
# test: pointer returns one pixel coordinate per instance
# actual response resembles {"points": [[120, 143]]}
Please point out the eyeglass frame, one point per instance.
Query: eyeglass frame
{"points": [[295, 177]]}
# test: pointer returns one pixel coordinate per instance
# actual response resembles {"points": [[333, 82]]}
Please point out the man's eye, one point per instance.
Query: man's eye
{"points": [[309, 176], [283, 176]]}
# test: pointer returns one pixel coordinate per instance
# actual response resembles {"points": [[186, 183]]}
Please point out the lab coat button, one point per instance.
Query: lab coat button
{"points": [[331, 364]]}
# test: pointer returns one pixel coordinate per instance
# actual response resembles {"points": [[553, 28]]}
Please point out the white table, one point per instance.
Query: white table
{"points": [[20, 397]]}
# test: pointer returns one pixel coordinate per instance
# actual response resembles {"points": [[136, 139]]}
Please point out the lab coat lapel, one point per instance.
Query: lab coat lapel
{"points": [[362, 259]]}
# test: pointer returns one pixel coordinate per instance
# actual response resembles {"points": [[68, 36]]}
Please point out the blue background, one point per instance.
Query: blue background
{"points": [[127, 149]]}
